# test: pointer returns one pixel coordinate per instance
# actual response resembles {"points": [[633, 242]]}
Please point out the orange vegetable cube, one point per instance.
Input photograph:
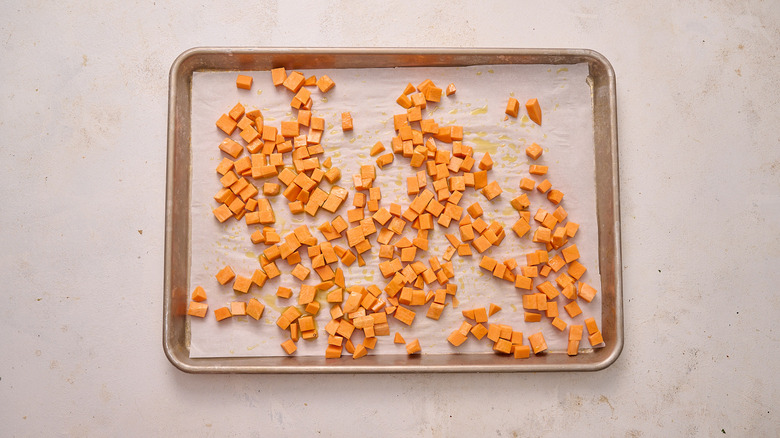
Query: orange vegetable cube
{"points": [[294, 81], [573, 309], [537, 342], [197, 309], [346, 121], [243, 81], [534, 111], [238, 308], [570, 253], [522, 351], [222, 313], [558, 323], [534, 151], [450, 90], [544, 186], [513, 107], [413, 347], [289, 346], [590, 324], [595, 338], [479, 331], [527, 184], [586, 292], [492, 190], [225, 274], [535, 169], [230, 147], [242, 284], [532, 317], [325, 83], [457, 338], [555, 196], [255, 308], [226, 124], [198, 294]]}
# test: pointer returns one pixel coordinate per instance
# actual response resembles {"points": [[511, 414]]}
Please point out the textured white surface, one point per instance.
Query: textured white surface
{"points": [[83, 124], [568, 119]]}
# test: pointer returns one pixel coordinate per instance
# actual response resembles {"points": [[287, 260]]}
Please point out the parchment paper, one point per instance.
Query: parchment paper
{"points": [[478, 105]]}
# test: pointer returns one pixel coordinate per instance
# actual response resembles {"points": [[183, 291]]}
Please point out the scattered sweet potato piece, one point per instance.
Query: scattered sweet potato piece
{"points": [[534, 151], [537, 342], [512, 107], [243, 81], [278, 75], [534, 111], [450, 90], [198, 294], [197, 309], [413, 347], [325, 83], [346, 121], [535, 169], [289, 346], [225, 274], [222, 313], [522, 351]]}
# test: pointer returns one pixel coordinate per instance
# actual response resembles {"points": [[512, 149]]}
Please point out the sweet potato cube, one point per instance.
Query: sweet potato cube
{"points": [[230, 147], [534, 113], [289, 128], [479, 331], [197, 309], [486, 163], [523, 282], [590, 324], [512, 107], [544, 186], [404, 315], [576, 269], [222, 313], [346, 121], [522, 351], [534, 151], [413, 347], [492, 190], [294, 81], [573, 309], [570, 253], [595, 338], [521, 227], [450, 90], [555, 196], [527, 184], [481, 244], [278, 75], [586, 292], [537, 342], [238, 308], [325, 83], [244, 82], [226, 124], [457, 338], [532, 317], [535, 169], [225, 274]]}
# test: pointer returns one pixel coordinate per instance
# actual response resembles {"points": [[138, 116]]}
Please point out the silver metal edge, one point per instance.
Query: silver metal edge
{"points": [[167, 313]]}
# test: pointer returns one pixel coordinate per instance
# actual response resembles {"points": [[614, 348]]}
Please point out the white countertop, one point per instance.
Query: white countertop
{"points": [[83, 127]]}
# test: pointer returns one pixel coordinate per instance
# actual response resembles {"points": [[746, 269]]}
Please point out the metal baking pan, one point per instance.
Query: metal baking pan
{"points": [[177, 225]]}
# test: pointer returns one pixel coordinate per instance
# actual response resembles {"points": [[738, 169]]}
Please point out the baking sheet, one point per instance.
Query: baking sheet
{"points": [[566, 135]]}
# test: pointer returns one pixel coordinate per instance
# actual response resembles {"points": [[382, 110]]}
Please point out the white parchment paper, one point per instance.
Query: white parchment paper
{"points": [[478, 105]]}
